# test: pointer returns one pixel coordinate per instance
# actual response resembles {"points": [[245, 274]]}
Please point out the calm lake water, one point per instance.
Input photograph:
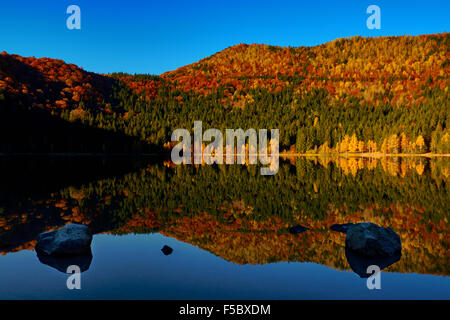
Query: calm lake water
{"points": [[228, 227]]}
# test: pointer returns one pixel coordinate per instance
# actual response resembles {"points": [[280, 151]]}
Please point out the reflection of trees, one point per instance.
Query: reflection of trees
{"points": [[234, 212]]}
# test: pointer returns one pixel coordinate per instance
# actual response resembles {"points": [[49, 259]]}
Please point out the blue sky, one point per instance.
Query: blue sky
{"points": [[157, 36]]}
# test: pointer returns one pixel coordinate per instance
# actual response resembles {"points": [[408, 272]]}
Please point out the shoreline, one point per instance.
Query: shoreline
{"points": [[365, 155], [281, 154]]}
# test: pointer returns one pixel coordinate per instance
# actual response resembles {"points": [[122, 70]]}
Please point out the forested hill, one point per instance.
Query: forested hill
{"points": [[387, 94]]}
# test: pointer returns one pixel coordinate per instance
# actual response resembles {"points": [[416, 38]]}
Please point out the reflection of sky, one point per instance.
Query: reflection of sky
{"points": [[152, 36], [133, 267]]}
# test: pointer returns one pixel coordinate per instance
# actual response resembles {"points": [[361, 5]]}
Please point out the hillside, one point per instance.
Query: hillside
{"points": [[387, 94], [388, 69]]}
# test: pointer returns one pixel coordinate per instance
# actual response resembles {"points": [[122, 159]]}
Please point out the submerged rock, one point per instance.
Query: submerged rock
{"points": [[341, 227], [167, 250], [62, 263], [372, 241], [297, 229], [70, 240]]}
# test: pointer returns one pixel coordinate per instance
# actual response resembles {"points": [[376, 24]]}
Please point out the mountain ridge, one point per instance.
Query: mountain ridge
{"points": [[299, 89]]}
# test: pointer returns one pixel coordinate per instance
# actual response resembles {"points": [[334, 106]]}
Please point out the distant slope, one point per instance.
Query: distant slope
{"points": [[394, 69], [51, 84]]}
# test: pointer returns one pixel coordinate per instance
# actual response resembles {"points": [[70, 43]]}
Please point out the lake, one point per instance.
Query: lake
{"points": [[228, 226]]}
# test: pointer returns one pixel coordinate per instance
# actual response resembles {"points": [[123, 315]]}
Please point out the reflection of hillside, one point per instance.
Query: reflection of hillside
{"points": [[251, 242], [242, 217], [259, 243]]}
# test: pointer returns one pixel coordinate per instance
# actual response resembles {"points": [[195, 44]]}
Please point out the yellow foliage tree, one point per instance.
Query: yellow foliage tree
{"points": [[361, 146], [420, 143], [344, 144], [404, 143], [394, 144], [353, 145], [384, 147]]}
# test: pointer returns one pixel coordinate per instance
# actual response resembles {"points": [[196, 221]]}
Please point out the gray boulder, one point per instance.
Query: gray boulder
{"points": [[372, 241], [72, 239]]}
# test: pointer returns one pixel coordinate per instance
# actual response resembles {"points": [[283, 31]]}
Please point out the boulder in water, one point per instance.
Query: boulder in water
{"points": [[70, 240], [372, 241], [167, 250]]}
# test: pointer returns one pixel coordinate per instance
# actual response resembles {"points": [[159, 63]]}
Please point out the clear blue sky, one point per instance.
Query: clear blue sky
{"points": [[157, 36]]}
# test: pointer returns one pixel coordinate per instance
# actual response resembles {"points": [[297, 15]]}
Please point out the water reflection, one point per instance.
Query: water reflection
{"points": [[359, 263], [62, 263], [243, 217]]}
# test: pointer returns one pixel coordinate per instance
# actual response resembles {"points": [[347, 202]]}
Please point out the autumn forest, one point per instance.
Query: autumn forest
{"points": [[384, 95], [363, 140]]}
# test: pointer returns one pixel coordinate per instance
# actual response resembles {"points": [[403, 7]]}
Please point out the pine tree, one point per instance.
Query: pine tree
{"points": [[393, 144], [301, 141]]}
